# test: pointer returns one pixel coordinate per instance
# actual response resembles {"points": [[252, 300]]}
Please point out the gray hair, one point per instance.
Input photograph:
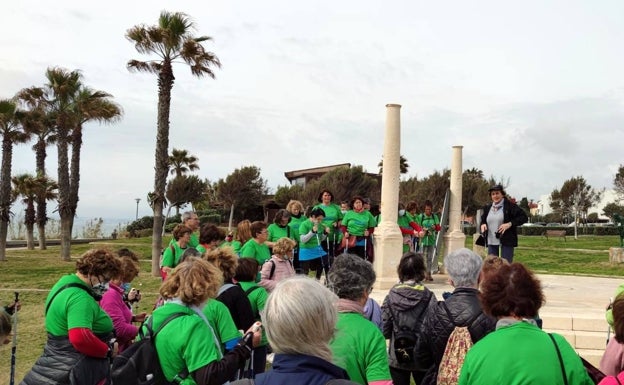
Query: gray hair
{"points": [[464, 267], [300, 317], [350, 276], [190, 252], [187, 215]]}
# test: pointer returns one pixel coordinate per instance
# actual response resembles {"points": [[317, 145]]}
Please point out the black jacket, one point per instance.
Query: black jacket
{"points": [[464, 306], [402, 298], [511, 213]]}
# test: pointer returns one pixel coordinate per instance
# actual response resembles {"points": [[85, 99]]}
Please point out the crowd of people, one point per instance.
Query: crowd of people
{"points": [[228, 303]]}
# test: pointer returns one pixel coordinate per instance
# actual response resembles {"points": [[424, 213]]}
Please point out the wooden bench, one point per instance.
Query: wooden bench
{"points": [[555, 233]]}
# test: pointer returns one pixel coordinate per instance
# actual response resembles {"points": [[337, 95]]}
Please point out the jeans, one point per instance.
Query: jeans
{"points": [[506, 252]]}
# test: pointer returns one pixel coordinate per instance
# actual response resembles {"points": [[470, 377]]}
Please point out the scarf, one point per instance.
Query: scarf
{"points": [[348, 306]]}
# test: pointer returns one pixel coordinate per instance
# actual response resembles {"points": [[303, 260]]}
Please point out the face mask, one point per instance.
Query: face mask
{"points": [[99, 289], [343, 211], [401, 212], [125, 286]]}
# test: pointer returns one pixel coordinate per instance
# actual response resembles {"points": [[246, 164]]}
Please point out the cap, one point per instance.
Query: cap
{"points": [[496, 187]]}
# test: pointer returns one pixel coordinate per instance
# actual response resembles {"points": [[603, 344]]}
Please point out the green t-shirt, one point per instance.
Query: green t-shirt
{"points": [[252, 249], [221, 320], [276, 232], [428, 222], [257, 298], [172, 254], [521, 354], [294, 226], [313, 242], [74, 308], [185, 342], [360, 349], [237, 246], [356, 223], [332, 215]]}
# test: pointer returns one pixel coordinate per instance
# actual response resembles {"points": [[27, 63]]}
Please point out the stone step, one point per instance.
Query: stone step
{"points": [[591, 355], [568, 321]]}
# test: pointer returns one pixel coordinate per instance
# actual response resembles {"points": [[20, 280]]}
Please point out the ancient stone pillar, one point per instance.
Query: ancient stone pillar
{"points": [[454, 238], [388, 239]]}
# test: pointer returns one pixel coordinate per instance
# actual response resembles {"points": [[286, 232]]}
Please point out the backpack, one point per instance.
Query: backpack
{"points": [[457, 346], [335, 381], [407, 332], [139, 363]]}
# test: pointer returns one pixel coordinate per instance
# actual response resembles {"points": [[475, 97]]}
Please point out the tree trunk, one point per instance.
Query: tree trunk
{"points": [[29, 220], [66, 238], [5, 192], [30, 237], [42, 215], [64, 209], [74, 174], [231, 217], [161, 168], [42, 236]]}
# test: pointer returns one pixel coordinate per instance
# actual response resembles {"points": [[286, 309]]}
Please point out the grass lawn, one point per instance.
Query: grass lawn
{"points": [[32, 273]]}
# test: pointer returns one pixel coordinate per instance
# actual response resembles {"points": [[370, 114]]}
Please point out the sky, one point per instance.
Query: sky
{"points": [[532, 90]]}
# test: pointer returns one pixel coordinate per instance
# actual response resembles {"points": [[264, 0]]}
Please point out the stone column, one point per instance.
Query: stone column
{"points": [[388, 238], [454, 238]]}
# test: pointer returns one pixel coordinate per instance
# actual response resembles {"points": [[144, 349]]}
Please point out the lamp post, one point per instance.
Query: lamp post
{"points": [[137, 209]]}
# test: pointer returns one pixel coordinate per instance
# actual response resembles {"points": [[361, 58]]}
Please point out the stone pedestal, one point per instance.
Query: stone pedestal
{"points": [[482, 251], [616, 254], [455, 238], [388, 238]]}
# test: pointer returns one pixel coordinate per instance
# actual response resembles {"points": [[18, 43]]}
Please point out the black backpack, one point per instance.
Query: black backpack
{"points": [[139, 363], [407, 331]]}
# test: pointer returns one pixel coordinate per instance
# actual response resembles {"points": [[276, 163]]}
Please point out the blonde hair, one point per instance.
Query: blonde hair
{"points": [[296, 326], [224, 259], [294, 203], [192, 281], [283, 246], [243, 231]]}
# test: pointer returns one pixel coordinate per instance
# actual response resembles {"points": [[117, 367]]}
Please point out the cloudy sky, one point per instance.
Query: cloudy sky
{"points": [[533, 90]]}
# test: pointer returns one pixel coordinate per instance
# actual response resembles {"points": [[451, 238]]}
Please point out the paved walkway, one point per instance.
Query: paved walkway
{"points": [[564, 293]]}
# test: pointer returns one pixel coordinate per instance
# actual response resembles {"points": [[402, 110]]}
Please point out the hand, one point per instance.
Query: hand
{"points": [[134, 295], [504, 227], [327, 230], [421, 234], [139, 317], [346, 234], [256, 329], [483, 228], [12, 308], [315, 228]]}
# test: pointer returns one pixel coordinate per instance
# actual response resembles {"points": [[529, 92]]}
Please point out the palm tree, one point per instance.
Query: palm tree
{"points": [[12, 133], [171, 41], [24, 186], [41, 126], [63, 86], [89, 105], [181, 162], [403, 166]]}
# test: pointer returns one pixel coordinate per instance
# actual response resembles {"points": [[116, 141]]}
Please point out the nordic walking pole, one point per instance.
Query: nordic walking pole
{"points": [[365, 243], [14, 347]]}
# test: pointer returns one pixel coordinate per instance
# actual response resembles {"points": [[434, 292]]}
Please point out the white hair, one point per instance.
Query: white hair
{"points": [[300, 317], [464, 267]]}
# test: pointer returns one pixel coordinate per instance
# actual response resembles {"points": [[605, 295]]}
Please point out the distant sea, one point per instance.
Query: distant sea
{"points": [[108, 225]]}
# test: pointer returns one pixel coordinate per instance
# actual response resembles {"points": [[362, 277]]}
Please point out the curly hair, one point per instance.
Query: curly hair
{"points": [[411, 206], [513, 290], [491, 265], [356, 198], [180, 230], [99, 262], [411, 267], [5, 325], [294, 203], [320, 196], [283, 246], [225, 260], [192, 281], [246, 270], [350, 276]]}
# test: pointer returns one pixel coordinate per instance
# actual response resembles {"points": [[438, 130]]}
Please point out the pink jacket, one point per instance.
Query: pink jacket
{"points": [[283, 270], [612, 361], [113, 304]]}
